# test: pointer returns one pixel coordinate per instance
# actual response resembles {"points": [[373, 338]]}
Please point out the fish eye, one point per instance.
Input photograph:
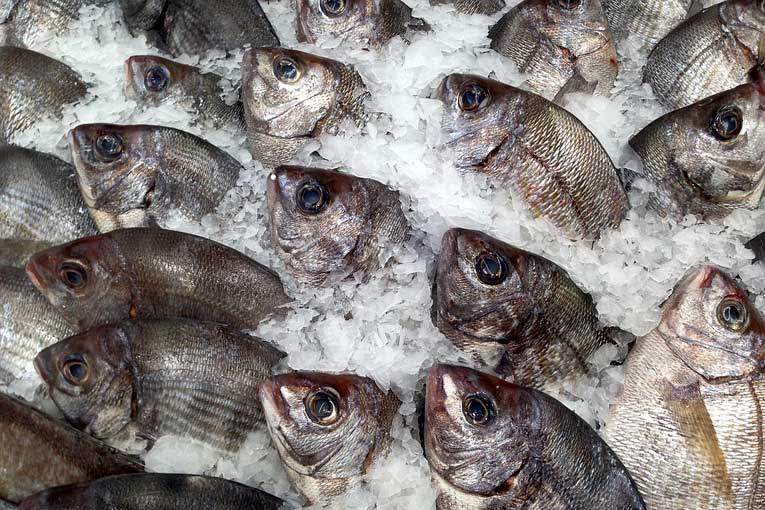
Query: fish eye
{"points": [[156, 79], [312, 197], [74, 276], [569, 4], [286, 70], [732, 314], [323, 407], [491, 268], [472, 97], [727, 122], [76, 370], [332, 8], [109, 146], [478, 409]]}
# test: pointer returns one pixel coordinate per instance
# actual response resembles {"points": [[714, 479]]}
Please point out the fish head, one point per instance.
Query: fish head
{"points": [[90, 380], [710, 323], [336, 18], [153, 80], [577, 27]]}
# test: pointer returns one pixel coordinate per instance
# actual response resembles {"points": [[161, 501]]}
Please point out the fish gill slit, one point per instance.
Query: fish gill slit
{"points": [[758, 462]]}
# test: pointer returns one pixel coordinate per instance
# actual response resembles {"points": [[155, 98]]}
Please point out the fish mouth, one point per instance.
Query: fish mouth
{"points": [[35, 273], [41, 366]]}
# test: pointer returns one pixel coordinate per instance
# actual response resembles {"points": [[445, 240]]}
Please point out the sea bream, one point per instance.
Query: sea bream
{"points": [[649, 21]]}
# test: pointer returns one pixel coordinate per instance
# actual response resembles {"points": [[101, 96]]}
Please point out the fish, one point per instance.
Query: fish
{"points": [[152, 273], [35, 187], [540, 151], [707, 159], [708, 53], [757, 245], [494, 445], [39, 452], [688, 421], [485, 7], [18, 252], [142, 14], [291, 97], [648, 21], [33, 87], [29, 323], [5, 505], [324, 221], [329, 429], [144, 176], [557, 42], [153, 491], [152, 81], [150, 378], [24, 23]]}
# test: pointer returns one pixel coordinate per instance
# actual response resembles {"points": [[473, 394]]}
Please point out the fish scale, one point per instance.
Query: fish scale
{"points": [[650, 20], [29, 20]]}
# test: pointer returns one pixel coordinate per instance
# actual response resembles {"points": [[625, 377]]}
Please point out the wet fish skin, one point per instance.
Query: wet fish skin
{"points": [[152, 273], [153, 174], [23, 22], [650, 21], [40, 452], [707, 159], [687, 422], [539, 150], [33, 87], [142, 14], [349, 226], [152, 80], [290, 97], [492, 444], [154, 491], [323, 461], [555, 45], [485, 7], [721, 42], [18, 252]]}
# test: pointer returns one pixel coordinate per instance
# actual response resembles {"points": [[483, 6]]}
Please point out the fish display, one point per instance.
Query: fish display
{"points": [[688, 421], [650, 21], [154, 491], [328, 429], [141, 176], [153, 273], [290, 97], [24, 22], [152, 81], [33, 87], [324, 221], [707, 159], [709, 53], [156, 377], [39, 452], [18, 252], [492, 444], [541, 151], [559, 44], [485, 7]]}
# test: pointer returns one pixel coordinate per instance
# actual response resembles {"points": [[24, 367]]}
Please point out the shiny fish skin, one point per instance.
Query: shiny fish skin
{"points": [[650, 20], [485, 7], [22, 22], [284, 112], [185, 86], [29, 324], [324, 461], [359, 218], [688, 421], [530, 452], [142, 14], [150, 273], [18, 252], [154, 174], [709, 53], [541, 151], [694, 168], [154, 491], [553, 44], [39, 452], [33, 87]]}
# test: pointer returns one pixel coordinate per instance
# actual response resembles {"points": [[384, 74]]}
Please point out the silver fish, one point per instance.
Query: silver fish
{"points": [[648, 20], [485, 7], [18, 252], [24, 22]]}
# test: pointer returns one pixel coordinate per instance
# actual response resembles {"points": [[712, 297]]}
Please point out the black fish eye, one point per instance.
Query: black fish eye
{"points": [[312, 197], [569, 4], [156, 79], [472, 97], [109, 146], [323, 407], [73, 276], [491, 268], [332, 7], [732, 314], [727, 122], [286, 70], [76, 370], [478, 409]]}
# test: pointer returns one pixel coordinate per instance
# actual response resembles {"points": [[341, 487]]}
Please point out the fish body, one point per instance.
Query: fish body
{"points": [[152, 273], [709, 53], [18, 252], [541, 151], [39, 452], [290, 97], [493, 445], [650, 20], [141, 176], [328, 429], [142, 14], [688, 421], [485, 7], [24, 22]]}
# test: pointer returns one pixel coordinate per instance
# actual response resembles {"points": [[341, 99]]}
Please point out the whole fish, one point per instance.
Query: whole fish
{"points": [[29, 324], [493, 445], [688, 421], [709, 53], [150, 273], [485, 7], [324, 221], [558, 42], [18, 252], [707, 159], [541, 151], [141, 176], [328, 429], [649, 21], [39, 199], [154, 491], [33, 87], [24, 22], [152, 81], [39, 452], [160, 377], [290, 97]]}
